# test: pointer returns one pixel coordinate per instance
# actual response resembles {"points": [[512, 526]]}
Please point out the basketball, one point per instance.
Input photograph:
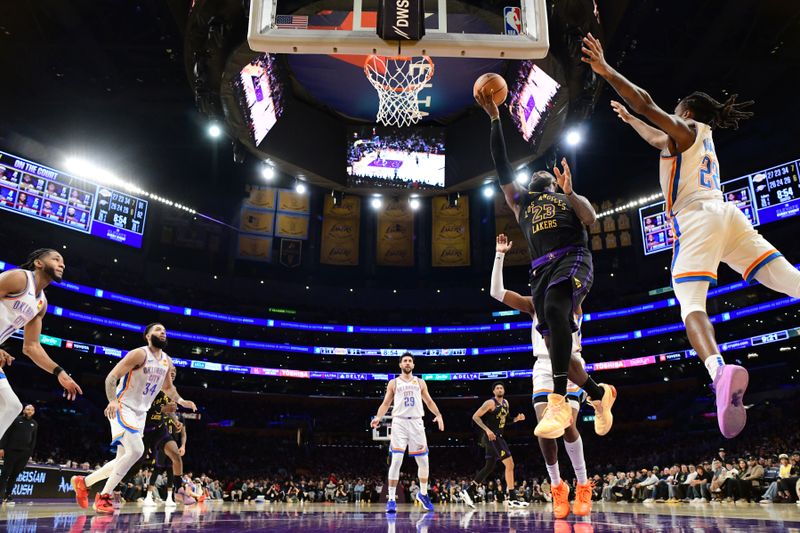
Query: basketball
{"points": [[493, 84]]}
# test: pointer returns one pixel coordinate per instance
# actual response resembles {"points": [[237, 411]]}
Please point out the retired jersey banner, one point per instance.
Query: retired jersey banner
{"points": [[254, 247], [395, 234], [340, 231], [291, 252], [450, 232], [506, 222], [261, 198], [290, 201], [257, 221], [291, 226]]}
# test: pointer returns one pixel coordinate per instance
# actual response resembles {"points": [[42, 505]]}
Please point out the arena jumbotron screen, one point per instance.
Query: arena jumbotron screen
{"points": [[396, 158]]}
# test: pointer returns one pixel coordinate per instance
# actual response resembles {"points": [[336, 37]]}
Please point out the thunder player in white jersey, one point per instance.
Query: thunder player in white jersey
{"points": [[23, 305], [707, 230], [405, 394], [131, 387], [543, 385]]}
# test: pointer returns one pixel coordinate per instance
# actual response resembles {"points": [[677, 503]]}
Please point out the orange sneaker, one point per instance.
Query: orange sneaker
{"points": [[556, 418], [603, 419], [560, 500], [81, 491], [583, 499], [103, 504]]}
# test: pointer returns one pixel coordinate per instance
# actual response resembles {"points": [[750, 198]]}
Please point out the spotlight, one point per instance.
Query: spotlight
{"points": [[376, 202], [522, 177], [488, 191], [413, 203], [573, 137], [300, 187], [214, 131], [267, 172]]}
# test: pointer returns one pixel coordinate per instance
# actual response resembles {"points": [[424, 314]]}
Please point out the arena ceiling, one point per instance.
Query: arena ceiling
{"points": [[107, 79]]}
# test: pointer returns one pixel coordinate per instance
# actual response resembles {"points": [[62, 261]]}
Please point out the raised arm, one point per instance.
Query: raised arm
{"points": [[32, 347], [426, 397], [583, 208], [682, 136], [384, 407], [653, 136], [485, 407], [497, 144], [497, 290]]}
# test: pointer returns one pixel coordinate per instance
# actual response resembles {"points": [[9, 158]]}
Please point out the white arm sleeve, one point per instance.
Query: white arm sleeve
{"points": [[497, 290]]}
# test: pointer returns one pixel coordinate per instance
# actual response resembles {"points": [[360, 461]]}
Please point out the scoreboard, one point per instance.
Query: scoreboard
{"points": [[764, 196], [39, 192]]}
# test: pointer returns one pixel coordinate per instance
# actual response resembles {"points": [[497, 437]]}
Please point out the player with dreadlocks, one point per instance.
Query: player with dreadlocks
{"points": [[23, 305], [707, 230]]}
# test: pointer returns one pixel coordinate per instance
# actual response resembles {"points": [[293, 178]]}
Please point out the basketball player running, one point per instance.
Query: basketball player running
{"points": [[23, 304], [161, 431], [491, 418], [131, 387], [542, 386], [554, 225], [405, 394], [707, 230]]}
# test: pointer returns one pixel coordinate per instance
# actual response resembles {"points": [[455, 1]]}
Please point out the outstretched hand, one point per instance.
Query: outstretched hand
{"points": [[486, 101], [593, 54], [564, 178], [621, 111], [503, 244]]}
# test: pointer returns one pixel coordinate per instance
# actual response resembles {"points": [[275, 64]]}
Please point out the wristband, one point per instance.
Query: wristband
{"points": [[57, 370]]}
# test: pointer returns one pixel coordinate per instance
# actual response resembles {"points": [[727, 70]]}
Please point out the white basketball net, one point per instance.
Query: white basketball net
{"points": [[398, 80]]}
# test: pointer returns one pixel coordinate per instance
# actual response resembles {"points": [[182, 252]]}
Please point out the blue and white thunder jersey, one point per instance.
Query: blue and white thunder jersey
{"points": [[407, 398], [16, 310]]}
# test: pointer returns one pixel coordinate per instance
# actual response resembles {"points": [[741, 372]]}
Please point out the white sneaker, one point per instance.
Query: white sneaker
{"points": [[648, 500], [765, 501], [467, 499], [169, 502], [149, 501]]}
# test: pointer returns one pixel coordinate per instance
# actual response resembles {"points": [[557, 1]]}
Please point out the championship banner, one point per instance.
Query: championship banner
{"points": [[261, 198], [291, 226], [253, 247], [395, 234], [506, 222], [450, 242], [340, 231], [293, 202], [257, 221]]}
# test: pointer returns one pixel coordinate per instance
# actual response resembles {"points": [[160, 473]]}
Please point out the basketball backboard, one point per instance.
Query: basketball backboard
{"points": [[514, 29]]}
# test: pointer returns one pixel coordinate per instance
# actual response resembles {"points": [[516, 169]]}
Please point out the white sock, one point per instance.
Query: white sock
{"points": [[392, 493], [101, 473], [555, 475], [575, 452], [112, 482], [712, 363], [423, 488]]}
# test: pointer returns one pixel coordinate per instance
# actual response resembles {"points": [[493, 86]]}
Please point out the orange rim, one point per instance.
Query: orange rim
{"points": [[373, 59]]}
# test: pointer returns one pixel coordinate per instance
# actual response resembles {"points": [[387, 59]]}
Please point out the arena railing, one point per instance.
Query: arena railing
{"points": [[391, 352], [669, 357], [364, 330]]}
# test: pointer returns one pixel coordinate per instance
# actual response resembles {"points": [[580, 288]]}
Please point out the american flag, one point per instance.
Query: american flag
{"points": [[291, 22]]}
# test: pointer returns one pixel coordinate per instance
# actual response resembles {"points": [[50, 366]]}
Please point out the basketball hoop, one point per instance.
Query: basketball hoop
{"points": [[398, 80]]}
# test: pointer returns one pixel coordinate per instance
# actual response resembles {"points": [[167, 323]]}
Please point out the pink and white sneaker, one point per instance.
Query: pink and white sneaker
{"points": [[730, 386]]}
